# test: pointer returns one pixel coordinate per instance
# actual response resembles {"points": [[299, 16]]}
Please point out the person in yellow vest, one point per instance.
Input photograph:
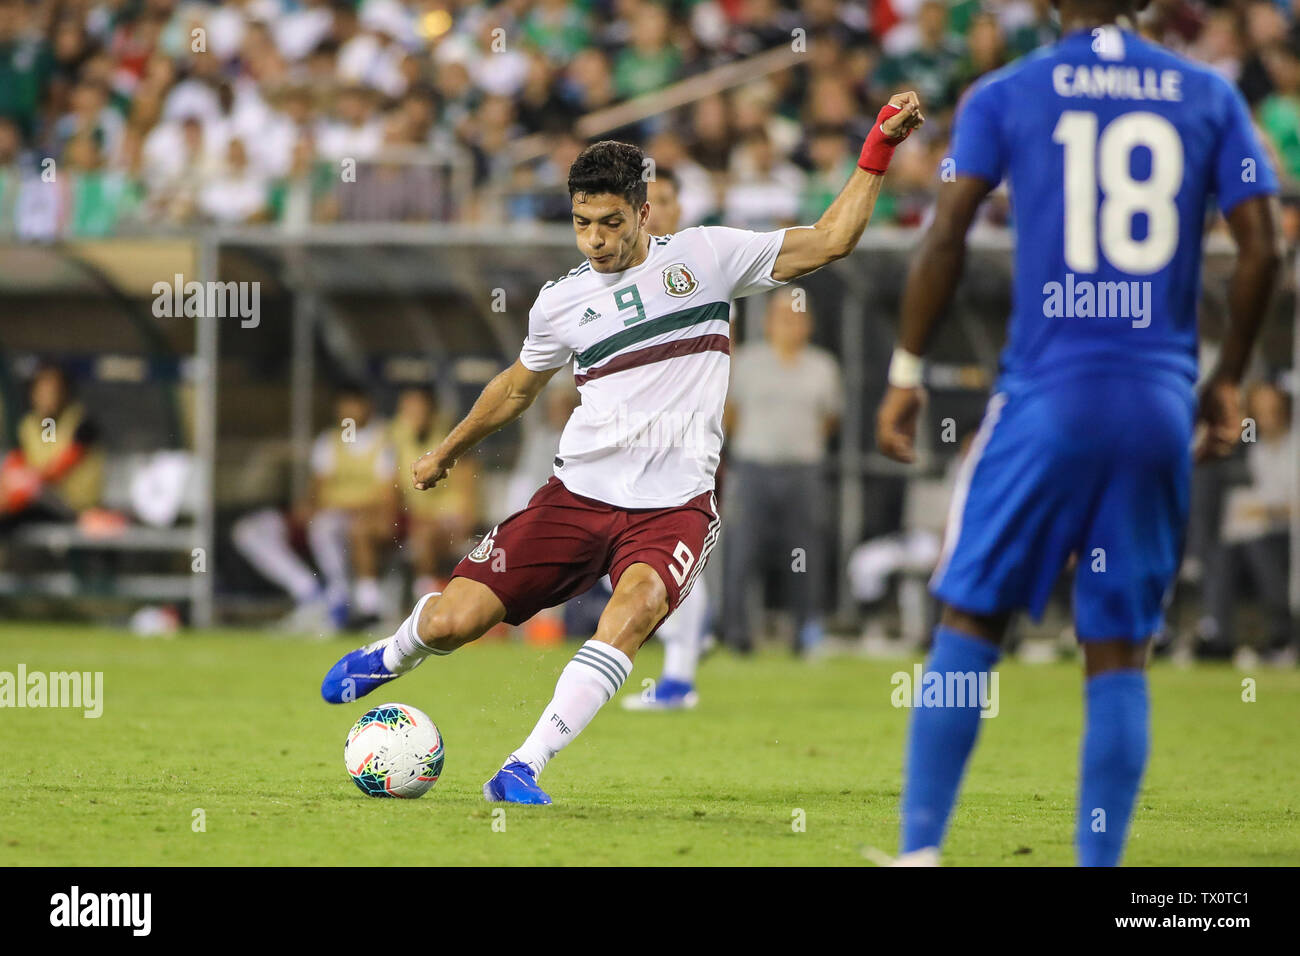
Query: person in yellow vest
{"points": [[351, 507], [438, 521], [57, 470]]}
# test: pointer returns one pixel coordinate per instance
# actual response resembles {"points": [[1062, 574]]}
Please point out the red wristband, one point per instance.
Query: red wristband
{"points": [[879, 148]]}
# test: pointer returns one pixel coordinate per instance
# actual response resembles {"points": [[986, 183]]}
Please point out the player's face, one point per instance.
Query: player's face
{"points": [[609, 231], [665, 211], [787, 328], [48, 395], [357, 409]]}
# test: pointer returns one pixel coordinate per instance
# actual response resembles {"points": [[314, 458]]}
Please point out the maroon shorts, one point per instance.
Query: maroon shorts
{"points": [[562, 544]]}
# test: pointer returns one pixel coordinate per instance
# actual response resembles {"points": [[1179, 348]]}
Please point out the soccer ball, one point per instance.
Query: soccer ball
{"points": [[394, 750]]}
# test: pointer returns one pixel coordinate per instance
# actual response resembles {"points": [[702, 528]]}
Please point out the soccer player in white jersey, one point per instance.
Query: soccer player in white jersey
{"points": [[645, 321]]}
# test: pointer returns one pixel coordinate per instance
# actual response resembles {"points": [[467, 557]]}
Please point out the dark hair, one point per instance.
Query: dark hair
{"points": [[610, 167], [1105, 8], [424, 390], [346, 390]]}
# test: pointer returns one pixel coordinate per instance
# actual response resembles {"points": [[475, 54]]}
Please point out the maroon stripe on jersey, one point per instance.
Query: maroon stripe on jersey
{"points": [[657, 353]]}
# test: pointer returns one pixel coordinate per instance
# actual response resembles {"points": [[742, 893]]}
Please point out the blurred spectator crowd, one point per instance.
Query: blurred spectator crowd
{"points": [[121, 115]]}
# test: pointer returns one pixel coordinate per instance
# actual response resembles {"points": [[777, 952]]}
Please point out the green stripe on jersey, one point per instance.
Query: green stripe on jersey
{"points": [[648, 330]]}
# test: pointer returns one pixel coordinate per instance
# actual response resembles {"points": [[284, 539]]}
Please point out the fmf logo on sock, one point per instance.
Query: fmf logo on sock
{"points": [[75, 909]]}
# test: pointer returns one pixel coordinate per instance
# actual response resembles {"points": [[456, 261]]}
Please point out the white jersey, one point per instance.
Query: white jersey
{"points": [[651, 350]]}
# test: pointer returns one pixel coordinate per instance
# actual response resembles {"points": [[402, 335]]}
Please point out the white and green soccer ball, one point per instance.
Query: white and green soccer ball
{"points": [[394, 750]]}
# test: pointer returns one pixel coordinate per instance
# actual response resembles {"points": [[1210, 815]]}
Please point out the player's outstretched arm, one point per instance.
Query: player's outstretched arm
{"points": [[502, 401], [1254, 224], [840, 227], [931, 281]]}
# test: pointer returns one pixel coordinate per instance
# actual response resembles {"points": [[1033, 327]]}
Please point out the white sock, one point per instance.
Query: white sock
{"points": [[586, 684], [683, 635], [405, 650], [370, 599], [327, 534]]}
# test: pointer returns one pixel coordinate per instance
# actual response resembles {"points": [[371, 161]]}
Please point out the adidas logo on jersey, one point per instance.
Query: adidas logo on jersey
{"points": [[591, 315]]}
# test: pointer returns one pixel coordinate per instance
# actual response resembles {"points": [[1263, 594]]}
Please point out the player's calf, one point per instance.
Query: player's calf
{"points": [[941, 738], [1116, 742]]}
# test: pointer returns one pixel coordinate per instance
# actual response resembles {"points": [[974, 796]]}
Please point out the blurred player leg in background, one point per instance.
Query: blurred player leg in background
{"points": [[776, 525], [262, 537], [742, 554], [351, 506], [803, 553], [428, 544], [683, 635], [327, 535], [582, 613], [368, 531]]}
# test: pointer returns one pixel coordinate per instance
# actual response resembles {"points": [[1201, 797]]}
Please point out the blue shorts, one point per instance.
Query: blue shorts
{"points": [[1096, 467]]}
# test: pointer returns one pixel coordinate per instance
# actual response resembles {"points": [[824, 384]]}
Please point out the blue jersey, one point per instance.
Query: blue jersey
{"points": [[1112, 147]]}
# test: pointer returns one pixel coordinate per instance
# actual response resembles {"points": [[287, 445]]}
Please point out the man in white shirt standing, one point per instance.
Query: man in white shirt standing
{"points": [[785, 402], [645, 322]]}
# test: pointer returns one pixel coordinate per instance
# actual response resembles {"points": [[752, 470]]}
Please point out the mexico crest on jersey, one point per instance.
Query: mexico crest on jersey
{"points": [[484, 550], [679, 281]]}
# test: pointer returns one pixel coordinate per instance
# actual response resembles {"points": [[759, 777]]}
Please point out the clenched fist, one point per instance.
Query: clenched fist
{"points": [[429, 469], [907, 118]]}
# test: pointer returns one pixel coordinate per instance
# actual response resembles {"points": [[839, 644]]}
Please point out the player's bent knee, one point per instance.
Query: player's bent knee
{"points": [[464, 612], [649, 603], [650, 614], [450, 627], [640, 602]]}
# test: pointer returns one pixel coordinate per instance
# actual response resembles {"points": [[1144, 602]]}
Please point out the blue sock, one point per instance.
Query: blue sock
{"points": [[940, 742], [1115, 744]]}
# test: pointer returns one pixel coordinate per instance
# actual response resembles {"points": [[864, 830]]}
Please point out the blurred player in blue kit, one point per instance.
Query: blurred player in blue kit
{"points": [[1112, 147]]}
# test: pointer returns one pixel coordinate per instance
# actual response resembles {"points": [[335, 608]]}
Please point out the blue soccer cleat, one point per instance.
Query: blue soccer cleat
{"points": [[356, 674], [668, 694], [515, 783]]}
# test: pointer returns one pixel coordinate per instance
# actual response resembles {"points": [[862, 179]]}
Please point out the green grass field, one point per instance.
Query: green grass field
{"points": [[231, 724]]}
